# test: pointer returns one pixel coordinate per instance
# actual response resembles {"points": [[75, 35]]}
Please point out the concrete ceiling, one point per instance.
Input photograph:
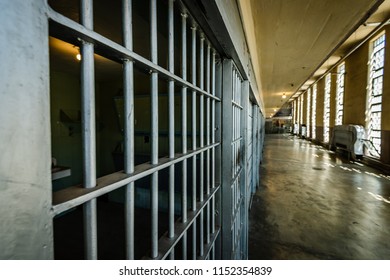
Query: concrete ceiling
{"points": [[290, 40]]}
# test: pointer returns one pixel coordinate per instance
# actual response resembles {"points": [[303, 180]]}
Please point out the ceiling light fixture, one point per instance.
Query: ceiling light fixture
{"points": [[78, 56], [371, 24], [284, 96]]}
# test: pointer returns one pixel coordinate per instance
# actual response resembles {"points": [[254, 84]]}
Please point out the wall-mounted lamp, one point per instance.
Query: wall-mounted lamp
{"points": [[78, 55]]}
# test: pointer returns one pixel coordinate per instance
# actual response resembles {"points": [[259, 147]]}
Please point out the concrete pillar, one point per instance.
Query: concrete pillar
{"points": [[25, 177]]}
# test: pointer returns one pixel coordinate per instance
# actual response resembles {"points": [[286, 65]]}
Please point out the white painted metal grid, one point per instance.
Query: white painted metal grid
{"points": [[201, 210], [237, 188]]}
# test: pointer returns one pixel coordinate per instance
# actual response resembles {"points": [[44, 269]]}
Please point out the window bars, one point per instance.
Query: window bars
{"points": [[314, 111], [340, 94], [374, 95], [301, 112], [198, 205], [328, 82]]}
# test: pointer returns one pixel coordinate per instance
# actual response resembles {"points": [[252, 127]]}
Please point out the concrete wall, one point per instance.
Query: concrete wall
{"points": [[320, 110], [304, 110], [25, 178], [356, 93], [355, 96], [333, 90], [232, 20], [356, 86]]}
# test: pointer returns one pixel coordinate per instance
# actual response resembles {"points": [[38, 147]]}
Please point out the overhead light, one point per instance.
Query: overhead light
{"points": [[78, 56], [274, 110], [284, 96], [373, 24]]}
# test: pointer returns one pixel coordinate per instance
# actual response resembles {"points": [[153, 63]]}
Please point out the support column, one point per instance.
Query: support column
{"points": [[25, 179]]}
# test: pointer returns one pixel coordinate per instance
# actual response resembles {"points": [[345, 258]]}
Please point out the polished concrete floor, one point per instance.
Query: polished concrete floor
{"points": [[315, 204]]}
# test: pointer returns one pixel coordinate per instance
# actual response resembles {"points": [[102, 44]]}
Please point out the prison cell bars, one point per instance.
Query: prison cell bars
{"points": [[193, 55], [255, 141], [246, 187], [237, 186], [201, 143], [154, 129], [213, 129], [184, 130], [233, 204], [71, 197], [89, 131], [128, 93], [171, 128]]}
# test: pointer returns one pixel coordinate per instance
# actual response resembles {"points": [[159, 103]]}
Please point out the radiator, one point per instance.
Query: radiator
{"points": [[349, 138]]}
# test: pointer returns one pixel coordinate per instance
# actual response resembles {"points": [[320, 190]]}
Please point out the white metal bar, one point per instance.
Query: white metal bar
{"points": [[201, 132], [194, 118], [194, 175], [184, 128], [166, 244], [201, 112], [88, 131], [213, 141], [208, 57], [128, 92], [244, 159], [171, 85], [227, 162], [154, 130], [119, 50], [73, 196], [184, 76], [194, 234]]}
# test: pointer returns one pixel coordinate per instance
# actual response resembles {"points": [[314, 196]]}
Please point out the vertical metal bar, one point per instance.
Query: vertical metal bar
{"points": [[194, 229], [201, 132], [194, 118], [254, 150], [218, 197], [244, 159], [208, 142], [171, 97], [227, 199], [184, 128], [88, 131], [128, 92], [213, 141], [184, 76], [154, 129]]}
